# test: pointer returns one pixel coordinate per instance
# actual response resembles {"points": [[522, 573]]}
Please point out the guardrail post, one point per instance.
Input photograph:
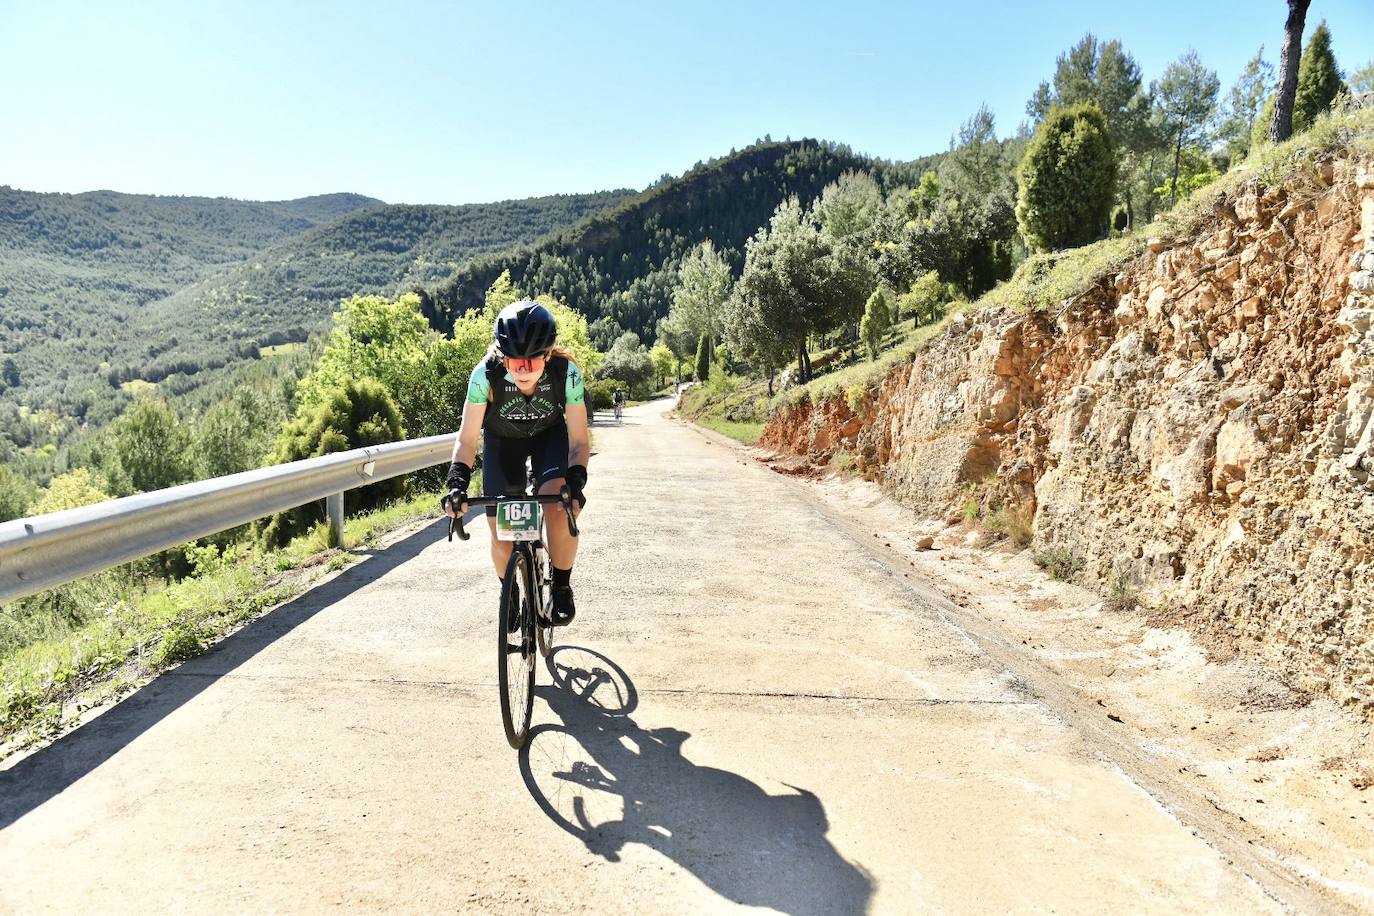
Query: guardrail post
{"points": [[334, 506]]}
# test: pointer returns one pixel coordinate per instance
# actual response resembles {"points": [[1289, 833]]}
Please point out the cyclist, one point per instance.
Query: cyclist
{"points": [[619, 400], [526, 397]]}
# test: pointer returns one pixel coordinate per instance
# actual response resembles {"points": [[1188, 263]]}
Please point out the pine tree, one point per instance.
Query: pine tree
{"points": [[1319, 79], [704, 359]]}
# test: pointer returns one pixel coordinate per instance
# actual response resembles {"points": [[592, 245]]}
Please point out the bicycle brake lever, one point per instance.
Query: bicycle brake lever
{"points": [[565, 495]]}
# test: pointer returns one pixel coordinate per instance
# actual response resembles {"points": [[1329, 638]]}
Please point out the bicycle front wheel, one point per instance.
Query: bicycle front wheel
{"points": [[516, 652]]}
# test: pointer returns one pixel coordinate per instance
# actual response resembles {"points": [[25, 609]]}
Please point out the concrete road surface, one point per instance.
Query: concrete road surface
{"points": [[749, 711]]}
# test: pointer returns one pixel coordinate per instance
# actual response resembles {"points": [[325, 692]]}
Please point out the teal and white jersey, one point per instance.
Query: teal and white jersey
{"points": [[513, 414]]}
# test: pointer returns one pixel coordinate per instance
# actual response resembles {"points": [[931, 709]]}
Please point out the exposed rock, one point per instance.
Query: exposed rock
{"points": [[1202, 427]]}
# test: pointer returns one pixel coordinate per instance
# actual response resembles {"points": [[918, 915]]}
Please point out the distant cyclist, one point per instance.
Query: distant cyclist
{"points": [[527, 397], [619, 400]]}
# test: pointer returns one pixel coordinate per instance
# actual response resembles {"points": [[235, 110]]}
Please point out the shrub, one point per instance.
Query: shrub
{"points": [[601, 392], [358, 414], [1067, 179], [1060, 562], [17, 493]]}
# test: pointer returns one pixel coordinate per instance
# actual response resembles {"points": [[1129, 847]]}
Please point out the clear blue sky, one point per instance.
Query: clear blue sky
{"points": [[456, 102]]}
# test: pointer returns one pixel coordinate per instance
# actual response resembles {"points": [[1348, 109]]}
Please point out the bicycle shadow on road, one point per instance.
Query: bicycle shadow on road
{"points": [[610, 783], [51, 770]]}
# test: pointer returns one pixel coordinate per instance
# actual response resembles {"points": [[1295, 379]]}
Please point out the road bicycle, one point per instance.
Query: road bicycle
{"points": [[524, 616], [618, 409]]}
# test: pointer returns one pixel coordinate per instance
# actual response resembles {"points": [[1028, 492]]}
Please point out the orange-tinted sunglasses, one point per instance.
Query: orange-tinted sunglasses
{"points": [[526, 365]]}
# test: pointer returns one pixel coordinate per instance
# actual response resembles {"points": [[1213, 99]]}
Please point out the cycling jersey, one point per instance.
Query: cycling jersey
{"points": [[511, 414]]}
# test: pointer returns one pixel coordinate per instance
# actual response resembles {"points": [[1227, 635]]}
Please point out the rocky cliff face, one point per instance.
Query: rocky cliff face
{"points": [[1197, 427]]}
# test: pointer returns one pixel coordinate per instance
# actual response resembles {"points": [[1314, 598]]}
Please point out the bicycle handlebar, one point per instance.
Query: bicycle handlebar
{"points": [[564, 498]]}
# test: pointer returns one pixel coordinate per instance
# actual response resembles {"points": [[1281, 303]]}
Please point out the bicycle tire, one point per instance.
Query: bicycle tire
{"points": [[516, 650], [544, 626]]}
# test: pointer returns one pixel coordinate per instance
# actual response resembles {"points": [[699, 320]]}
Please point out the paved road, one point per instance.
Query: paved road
{"points": [[750, 710]]}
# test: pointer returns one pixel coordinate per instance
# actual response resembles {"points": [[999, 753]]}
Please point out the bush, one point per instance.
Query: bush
{"points": [[1060, 562], [17, 493], [1015, 521], [600, 392], [358, 414], [1067, 179]]}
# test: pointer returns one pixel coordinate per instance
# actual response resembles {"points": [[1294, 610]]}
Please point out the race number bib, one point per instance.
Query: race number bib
{"points": [[517, 520]]}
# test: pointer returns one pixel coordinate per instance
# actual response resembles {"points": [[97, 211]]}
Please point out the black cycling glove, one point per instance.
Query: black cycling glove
{"points": [[459, 476], [577, 480]]}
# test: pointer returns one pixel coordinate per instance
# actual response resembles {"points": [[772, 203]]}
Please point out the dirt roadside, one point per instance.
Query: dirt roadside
{"points": [[1225, 745]]}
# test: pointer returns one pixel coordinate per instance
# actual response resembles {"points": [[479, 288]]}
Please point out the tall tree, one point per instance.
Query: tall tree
{"points": [[1093, 71], [1106, 74], [789, 284], [152, 447], [1245, 102], [1319, 79], [848, 208], [1187, 100], [703, 285], [877, 319], [1281, 126], [674, 333], [974, 166]]}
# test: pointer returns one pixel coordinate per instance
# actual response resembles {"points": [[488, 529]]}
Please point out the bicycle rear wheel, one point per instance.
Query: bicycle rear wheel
{"points": [[516, 648]]}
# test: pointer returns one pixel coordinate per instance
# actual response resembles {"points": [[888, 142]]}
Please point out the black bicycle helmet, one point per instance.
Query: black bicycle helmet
{"points": [[524, 330]]}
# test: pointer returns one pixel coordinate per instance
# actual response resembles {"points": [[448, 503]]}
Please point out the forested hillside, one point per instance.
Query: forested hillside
{"points": [[101, 290], [76, 269], [621, 265], [290, 289]]}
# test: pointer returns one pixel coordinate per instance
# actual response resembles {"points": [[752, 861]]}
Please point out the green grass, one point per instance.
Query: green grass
{"points": [[910, 340], [1045, 280], [137, 386], [280, 349], [748, 433], [139, 629]]}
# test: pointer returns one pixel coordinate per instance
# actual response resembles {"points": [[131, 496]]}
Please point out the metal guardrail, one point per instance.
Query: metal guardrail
{"points": [[45, 551]]}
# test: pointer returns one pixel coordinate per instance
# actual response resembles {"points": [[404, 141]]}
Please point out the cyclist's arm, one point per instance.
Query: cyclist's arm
{"points": [[474, 410], [579, 444], [575, 412], [465, 449]]}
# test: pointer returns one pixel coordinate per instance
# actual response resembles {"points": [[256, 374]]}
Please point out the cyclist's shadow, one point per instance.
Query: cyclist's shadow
{"points": [[610, 783]]}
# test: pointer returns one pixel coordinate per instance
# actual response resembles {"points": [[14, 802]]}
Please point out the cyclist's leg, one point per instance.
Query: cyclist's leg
{"points": [[551, 464], [503, 474]]}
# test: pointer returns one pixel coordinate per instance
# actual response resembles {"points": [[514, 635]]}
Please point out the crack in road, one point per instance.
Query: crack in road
{"points": [[650, 691]]}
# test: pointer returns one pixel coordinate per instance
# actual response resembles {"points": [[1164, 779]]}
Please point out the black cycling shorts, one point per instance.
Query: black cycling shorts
{"points": [[503, 461]]}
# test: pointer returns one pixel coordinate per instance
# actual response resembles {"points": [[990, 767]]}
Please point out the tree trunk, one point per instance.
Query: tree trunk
{"points": [[770, 383], [1173, 183], [1281, 125]]}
